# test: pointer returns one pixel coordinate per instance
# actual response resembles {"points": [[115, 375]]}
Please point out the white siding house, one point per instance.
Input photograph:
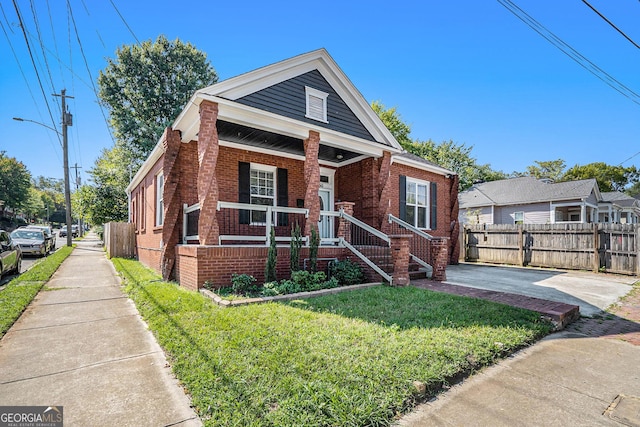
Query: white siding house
{"points": [[527, 200]]}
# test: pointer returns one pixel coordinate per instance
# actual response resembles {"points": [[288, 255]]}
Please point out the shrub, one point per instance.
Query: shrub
{"points": [[272, 258], [243, 284], [346, 272], [296, 245], [313, 249], [271, 289]]}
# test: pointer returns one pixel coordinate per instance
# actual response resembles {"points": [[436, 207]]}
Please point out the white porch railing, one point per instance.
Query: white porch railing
{"points": [[238, 222]]}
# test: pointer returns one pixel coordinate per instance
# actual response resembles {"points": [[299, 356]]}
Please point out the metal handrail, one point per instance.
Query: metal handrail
{"points": [[366, 226], [409, 227], [367, 261]]}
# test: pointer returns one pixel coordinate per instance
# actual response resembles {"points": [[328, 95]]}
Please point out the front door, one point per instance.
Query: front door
{"points": [[325, 226]]}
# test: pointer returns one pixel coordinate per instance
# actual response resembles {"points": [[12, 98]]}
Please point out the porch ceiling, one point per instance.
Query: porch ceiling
{"points": [[246, 135]]}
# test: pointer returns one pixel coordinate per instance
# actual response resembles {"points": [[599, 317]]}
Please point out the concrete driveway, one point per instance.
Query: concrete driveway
{"points": [[592, 292]]}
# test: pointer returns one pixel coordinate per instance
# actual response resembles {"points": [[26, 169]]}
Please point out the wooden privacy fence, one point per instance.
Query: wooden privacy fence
{"points": [[598, 247], [119, 239]]}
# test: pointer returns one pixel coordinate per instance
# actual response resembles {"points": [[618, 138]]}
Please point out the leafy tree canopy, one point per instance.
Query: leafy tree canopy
{"points": [[392, 120], [110, 176], [551, 169], [15, 181], [448, 154], [146, 86], [609, 178]]}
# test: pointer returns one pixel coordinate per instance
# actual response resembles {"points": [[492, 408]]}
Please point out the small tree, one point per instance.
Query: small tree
{"points": [[272, 259], [296, 244], [313, 249]]}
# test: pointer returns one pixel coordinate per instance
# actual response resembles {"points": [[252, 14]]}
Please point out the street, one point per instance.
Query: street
{"points": [[29, 260]]}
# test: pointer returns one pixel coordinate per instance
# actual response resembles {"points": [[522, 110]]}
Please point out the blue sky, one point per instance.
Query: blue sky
{"points": [[469, 71]]}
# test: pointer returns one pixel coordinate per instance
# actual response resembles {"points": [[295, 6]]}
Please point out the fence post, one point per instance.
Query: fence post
{"points": [[520, 245], [596, 246]]}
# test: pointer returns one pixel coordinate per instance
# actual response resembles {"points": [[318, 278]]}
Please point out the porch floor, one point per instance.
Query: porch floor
{"points": [[561, 314]]}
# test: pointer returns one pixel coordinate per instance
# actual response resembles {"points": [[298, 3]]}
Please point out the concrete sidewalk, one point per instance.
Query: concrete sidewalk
{"points": [[82, 345], [565, 380]]}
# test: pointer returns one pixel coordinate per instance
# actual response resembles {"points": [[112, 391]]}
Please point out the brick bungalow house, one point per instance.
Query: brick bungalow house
{"points": [[290, 143]]}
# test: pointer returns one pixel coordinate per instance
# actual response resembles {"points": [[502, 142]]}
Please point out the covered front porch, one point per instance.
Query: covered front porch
{"points": [[404, 254]]}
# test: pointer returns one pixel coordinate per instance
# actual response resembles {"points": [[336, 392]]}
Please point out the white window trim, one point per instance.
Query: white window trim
{"points": [[265, 168], [515, 220], [427, 184], [309, 91], [159, 200]]}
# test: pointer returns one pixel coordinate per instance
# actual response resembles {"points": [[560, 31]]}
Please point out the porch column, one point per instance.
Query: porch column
{"points": [[208, 196], [171, 229], [384, 184], [312, 180], [439, 258], [400, 257], [454, 251], [344, 226]]}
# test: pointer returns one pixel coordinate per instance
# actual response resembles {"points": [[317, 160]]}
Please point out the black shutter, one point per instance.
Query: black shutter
{"points": [[244, 190], [283, 195], [403, 198], [434, 206]]}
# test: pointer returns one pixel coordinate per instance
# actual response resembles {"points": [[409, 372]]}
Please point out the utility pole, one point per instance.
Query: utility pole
{"points": [[76, 167], [67, 120], [80, 224]]}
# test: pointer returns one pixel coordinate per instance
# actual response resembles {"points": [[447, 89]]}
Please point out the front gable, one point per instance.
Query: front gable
{"points": [[273, 98], [288, 98]]}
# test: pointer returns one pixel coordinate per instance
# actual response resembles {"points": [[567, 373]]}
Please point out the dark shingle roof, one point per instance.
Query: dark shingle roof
{"points": [[524, 190], [620, 199]]}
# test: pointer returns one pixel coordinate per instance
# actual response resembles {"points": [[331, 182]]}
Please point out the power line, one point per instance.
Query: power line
{"points": [[611, 23], [26, 39], [55, 44], [125, 22], [44, 55], [625, 161], [570, 51]]}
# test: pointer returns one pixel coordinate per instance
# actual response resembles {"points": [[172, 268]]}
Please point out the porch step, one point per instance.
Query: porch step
{"points": [[417, 275]]}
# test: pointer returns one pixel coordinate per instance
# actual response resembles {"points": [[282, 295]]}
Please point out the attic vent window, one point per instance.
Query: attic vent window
{"points": [[316, 104]]}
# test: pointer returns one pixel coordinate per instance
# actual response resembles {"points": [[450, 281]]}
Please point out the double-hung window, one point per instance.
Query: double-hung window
{"points": [[159, 199], [417, 206], [262, 186]]}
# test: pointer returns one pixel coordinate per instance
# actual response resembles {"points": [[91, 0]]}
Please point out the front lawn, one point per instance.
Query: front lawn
{"points": [[345, 359]]}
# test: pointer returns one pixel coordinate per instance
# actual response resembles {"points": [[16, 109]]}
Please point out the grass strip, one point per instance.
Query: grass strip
{"points": [[349, 359], [21, 290]]}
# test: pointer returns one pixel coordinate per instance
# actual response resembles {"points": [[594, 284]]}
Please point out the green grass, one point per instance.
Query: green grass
{"points": [[342, 360], [21, 290]]}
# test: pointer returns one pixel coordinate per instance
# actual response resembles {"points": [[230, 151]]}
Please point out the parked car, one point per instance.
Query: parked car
{"points": [[50, 238], [63, 231], [31, 242], [10, 255]]}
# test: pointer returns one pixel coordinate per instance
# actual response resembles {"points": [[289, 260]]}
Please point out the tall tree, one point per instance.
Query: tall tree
{"points": [[110, 177], [33, 206], [52, 193], [392, 120], [550, 169], [609, 178], [146, 86], [455, 157], [15, 181]]}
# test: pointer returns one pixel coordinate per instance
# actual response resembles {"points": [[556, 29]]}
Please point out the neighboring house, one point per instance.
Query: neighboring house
{"points": [[527, 200], [617, 207], [291, 143]]}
